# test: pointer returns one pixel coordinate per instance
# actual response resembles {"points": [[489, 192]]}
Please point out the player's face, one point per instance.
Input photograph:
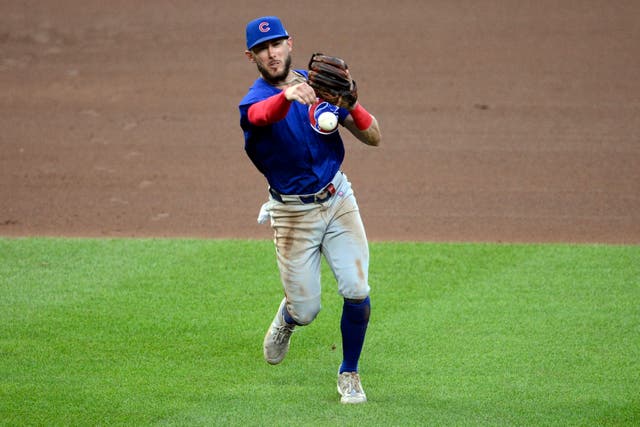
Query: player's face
{"points": [[273, 59]]}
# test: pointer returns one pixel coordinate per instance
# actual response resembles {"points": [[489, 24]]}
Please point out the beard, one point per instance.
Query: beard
{"points": [[275, 78]]}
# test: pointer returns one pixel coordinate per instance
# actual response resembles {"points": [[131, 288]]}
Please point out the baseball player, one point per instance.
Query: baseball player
{"points": [[313, 211]]}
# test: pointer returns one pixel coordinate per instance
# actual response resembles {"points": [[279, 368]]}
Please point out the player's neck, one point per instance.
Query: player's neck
{"points": [[292, 78]]}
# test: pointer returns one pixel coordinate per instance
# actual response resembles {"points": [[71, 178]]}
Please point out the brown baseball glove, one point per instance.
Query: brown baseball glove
{"points": [[329, 77]]}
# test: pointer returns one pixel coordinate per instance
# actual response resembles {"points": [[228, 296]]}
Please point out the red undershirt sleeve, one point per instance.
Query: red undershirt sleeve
{"points": [[269, 111], [361, 117]]}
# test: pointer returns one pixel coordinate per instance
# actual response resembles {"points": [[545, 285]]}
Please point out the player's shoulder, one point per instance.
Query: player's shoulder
{"points": [[257, 92]]}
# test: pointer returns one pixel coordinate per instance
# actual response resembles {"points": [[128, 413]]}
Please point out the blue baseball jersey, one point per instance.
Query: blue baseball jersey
{"points": [[294, 154]]}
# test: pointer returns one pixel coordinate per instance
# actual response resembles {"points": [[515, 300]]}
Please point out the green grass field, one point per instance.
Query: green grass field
{"points": [[169, 332]]}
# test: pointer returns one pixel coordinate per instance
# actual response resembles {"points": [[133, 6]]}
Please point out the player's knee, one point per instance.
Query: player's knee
{"points": [[305, 313], [354, 287], [358, 292]]}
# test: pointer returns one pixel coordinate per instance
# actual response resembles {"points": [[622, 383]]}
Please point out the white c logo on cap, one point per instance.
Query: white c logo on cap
{"points": [[263, 27]]}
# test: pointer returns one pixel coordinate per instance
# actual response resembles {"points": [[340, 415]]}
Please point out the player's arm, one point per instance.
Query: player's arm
{"points": [[269, 111], [276, 107], [363, 125]]}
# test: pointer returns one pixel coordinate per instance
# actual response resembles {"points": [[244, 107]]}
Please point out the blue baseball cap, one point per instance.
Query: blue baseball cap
{"points": [[263, 29]]}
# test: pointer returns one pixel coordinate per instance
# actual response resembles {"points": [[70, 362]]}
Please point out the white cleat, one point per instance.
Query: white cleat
{"points": [[350, 388], [276, 342]]}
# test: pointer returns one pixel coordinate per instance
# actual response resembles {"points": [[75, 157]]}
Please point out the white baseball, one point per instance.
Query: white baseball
{"points": [[327, 121]]}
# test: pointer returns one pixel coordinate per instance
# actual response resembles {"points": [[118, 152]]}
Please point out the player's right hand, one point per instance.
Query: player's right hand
{"points": [[302, 93]]}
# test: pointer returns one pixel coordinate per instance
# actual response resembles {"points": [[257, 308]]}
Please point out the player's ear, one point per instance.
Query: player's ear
{"points": [[249, 56]]}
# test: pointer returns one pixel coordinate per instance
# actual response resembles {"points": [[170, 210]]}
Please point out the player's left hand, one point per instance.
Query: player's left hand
{"points": [[330, 78]]}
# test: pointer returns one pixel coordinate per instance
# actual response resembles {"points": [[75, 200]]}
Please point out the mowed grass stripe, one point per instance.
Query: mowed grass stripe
{"points": [[169, 332]]}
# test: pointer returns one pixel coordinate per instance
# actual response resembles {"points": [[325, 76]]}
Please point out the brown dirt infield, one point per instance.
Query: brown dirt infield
{"points": [[502, 120]]}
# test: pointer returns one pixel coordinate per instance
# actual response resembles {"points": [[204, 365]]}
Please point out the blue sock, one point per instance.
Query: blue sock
{"points": [[287, 316], [353, 325]]}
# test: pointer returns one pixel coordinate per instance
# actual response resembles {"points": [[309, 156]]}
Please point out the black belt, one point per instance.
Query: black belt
{"points": [[319, 197]]}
